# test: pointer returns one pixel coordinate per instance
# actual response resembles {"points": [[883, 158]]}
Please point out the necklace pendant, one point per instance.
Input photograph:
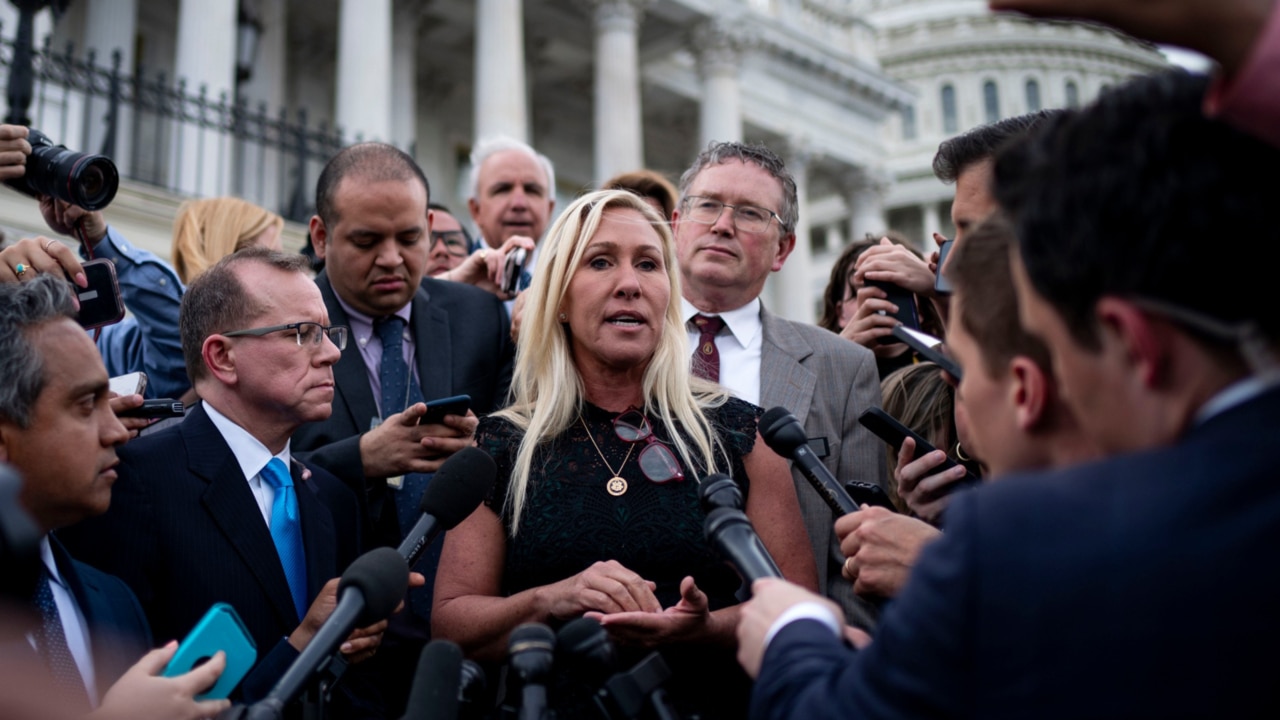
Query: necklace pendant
{"points": [[616, 486]]}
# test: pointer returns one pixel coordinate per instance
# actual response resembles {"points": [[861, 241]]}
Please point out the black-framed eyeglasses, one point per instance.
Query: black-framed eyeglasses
{"points": [[307, 333], [657, 461], [747, 218], [456, 242]]}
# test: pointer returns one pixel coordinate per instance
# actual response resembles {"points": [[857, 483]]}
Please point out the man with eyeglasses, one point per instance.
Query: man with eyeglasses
{"points": [[217, 508], [735, 224], [450, 243]]}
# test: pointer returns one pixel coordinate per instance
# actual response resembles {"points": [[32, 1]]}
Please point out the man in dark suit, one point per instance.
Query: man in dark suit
{"points": [[1137, 586], [414, 340], [215, 509], [58, 430]]}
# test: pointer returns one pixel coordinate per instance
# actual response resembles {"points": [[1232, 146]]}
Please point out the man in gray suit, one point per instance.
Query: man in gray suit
{"points": [[734, 225]]}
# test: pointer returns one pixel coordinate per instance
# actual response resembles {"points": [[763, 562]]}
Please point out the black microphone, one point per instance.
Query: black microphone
{"points": [[530, 654], [784, 434], [730, 532], [457, 489], [472, 687], [369, 591], [434, 692], [719, 490]]}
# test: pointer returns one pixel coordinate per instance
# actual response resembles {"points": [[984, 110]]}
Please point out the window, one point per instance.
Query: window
{"points": [[909, 122], [1033, 96], [950, 122], [1073, 94], [991, 101]]}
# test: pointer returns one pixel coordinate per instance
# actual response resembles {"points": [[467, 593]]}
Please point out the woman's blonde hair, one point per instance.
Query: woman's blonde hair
{"points": [[546, 389], [205, 231]]}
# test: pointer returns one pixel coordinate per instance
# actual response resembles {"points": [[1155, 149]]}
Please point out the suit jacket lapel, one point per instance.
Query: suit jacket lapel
{"points": [[350, 376], [784, 380], [432, 347], [230, 502], [108, 664], [317, 533]]}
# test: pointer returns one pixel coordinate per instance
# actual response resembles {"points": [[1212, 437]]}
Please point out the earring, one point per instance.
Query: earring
{"points": [[563, 317], [960, 453]]}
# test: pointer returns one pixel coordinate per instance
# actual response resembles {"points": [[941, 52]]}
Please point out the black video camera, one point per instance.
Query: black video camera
{"points": [[88, 181]]}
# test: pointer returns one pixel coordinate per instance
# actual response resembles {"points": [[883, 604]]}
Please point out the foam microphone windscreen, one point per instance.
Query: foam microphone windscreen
{"points": [[459, 486], [781, 431], [382, 576], [434, 692]]}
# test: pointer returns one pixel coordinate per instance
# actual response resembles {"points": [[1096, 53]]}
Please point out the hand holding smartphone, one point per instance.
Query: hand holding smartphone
{"points": [[905, 300], [437, 409], [220, 629], [100, 302], [887, 428]]}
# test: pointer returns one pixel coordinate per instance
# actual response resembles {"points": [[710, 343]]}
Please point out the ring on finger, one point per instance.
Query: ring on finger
{"points": [[19, 269], [48, 244], [848, 566]]}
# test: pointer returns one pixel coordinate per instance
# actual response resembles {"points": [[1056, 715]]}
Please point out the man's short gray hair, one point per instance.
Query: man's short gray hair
{"points": [[26, 306], [491, 146], [718, 153]]}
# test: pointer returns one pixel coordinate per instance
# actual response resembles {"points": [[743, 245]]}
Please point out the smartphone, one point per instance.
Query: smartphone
{"points": [[134, 383], [437, 409], [100, 302], [906, 302], [220, 629], [512, 269], [940, 284], [158, 408], [887, 428], [926, 346], [865, 493]]}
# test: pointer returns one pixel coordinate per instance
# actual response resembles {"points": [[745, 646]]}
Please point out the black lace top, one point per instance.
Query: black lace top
{"points": [[570, 521]]}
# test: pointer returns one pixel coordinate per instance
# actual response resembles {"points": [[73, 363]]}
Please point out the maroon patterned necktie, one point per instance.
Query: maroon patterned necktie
{"points": [[706, 356]]}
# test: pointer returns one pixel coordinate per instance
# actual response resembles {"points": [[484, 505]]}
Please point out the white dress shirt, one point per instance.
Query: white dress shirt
{"points": [[252, 456], [739, 344]]}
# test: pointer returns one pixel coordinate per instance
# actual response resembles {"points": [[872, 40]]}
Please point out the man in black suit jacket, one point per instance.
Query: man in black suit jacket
{"points": [[372, 227], [1139, 585], [197, 515], [58, 430]]}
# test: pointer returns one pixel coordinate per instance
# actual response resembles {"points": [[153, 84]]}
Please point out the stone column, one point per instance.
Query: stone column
{"points": [[794, 291], [363, 101], [111, 25], [932, 223], [404, 76], [619, 139], [206, 58], [258, 166], [866, 203], [500, 92], [719, 51]]}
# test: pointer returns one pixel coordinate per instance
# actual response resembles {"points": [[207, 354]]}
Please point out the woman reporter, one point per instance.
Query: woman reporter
{"points": [[596, 508]]}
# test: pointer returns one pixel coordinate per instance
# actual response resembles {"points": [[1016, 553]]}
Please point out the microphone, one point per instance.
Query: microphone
{"points": [[719, 490], [472, 687], [369, 591], [530, 655], [434, 692], [584, 647], [454, 492], [730, 532], [784, 435]]}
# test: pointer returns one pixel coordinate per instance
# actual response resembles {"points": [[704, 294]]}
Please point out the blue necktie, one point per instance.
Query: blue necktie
{"points": [[398, 392], [52, 641], [286, 531]]}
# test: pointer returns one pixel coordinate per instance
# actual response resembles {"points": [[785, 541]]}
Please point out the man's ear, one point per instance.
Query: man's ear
{"points": [[219, 358], [1030, 392], [1142, 341], [786, 244], [319, 236]]}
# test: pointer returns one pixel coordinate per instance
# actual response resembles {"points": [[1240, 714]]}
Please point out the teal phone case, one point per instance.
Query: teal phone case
{"points": [[220, 629]]}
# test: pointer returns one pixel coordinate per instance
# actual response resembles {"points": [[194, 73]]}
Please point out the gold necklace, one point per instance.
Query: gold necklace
{"points": [[616, 486]]}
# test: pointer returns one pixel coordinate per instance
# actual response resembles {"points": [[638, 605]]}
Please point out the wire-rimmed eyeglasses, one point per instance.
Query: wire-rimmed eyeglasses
{"points": [[657, 461], [306, 333], [456, 242], [747, 218]]}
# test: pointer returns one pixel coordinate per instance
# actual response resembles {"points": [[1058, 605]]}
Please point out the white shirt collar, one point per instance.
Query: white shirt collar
{"points": [[744, 322], [250, 454], [1237, 393]]}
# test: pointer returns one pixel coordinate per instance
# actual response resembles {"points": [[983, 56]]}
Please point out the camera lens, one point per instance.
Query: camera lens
{"points": [[89, 181], [93, 182]]}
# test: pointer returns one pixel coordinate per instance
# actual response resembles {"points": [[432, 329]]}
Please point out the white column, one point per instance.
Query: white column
{"points": [[794, 293], [111, 25], [258, 166], [404, 76], [206, 58], [364, 69], [619, 140], [932, 223], [720, 113], [500, 92], [866, 203]]}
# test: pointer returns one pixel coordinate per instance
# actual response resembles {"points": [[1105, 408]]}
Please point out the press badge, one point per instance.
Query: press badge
{"points": [[397, 482]]}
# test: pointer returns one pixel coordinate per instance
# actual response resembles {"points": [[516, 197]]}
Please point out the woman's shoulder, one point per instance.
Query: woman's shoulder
{"points": [[495, 431], [735, 414]]}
